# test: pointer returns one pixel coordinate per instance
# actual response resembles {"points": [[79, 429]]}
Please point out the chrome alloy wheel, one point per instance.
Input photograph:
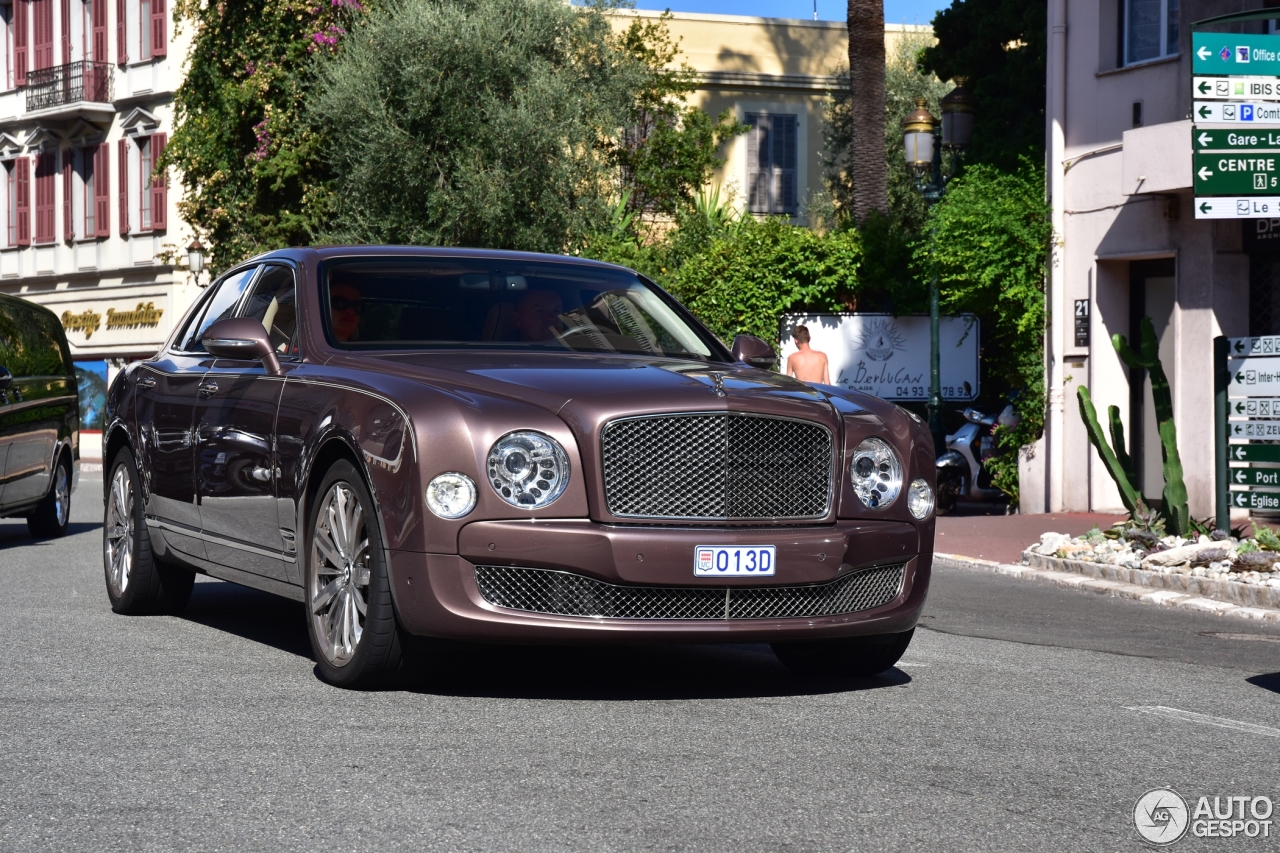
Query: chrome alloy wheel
{"points": [[61, 495], [118, 545], [338, 589]]}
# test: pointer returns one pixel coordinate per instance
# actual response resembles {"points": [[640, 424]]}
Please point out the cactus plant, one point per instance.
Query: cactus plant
{"points": [[1148, 357], [1117, 461]]}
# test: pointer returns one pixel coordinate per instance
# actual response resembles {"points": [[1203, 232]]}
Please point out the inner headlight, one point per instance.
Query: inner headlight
{"points": [[451, 495], [920, 499], [528, 469], [877, 474]]}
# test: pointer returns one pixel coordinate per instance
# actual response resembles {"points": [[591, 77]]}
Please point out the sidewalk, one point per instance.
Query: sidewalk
{"points": [[1002, 538]]}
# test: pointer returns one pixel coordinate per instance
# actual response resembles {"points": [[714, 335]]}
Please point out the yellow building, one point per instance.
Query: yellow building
{"points": [[775, 74]]}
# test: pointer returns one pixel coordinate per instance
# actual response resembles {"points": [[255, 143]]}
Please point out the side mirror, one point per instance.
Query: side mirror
{"points": [[6, 379], [755, 352], [241, 338]]}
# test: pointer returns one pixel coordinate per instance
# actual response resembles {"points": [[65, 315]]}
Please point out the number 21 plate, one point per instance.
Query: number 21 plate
{"points": [[731, 560]]}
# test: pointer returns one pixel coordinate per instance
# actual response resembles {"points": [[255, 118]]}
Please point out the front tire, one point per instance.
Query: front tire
{"points": [[350, 616], [137, 583], [848, 657], [49, 521]]}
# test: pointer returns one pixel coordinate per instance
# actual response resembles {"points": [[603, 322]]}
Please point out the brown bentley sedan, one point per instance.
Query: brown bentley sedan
{"points": [[509, 447]]}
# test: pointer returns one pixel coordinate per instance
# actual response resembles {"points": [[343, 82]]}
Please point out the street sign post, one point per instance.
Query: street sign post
{"points": [[1236, 172], [1254, 377], [1235, 139], [1254, 453], [1256, 477], [1238, 207], [1255, 407], [1256, 500]]}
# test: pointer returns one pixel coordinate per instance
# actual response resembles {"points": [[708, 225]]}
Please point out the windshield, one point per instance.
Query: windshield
{"points": [[436, 303]]}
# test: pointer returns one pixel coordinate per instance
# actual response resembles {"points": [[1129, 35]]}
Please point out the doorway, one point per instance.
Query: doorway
{"points": [[1152, 293]]}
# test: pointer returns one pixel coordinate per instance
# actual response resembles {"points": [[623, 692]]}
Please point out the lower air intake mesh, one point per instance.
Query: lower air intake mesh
{"points": [[565, 594]]}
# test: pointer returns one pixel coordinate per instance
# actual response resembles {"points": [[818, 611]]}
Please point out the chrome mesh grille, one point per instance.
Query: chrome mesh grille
{"points": [[719, 466], [565, 594]]}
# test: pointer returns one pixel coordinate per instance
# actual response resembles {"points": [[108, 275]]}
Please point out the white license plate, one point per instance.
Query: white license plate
{"points": [[734, 560]]}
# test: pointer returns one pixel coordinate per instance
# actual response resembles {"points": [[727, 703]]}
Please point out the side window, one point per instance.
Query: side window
{"points": [[36, 349], [273, 303], [53, 344], [220, 307]]}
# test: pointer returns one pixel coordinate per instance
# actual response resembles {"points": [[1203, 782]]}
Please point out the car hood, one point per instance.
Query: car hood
{"points": [[587, 387]]}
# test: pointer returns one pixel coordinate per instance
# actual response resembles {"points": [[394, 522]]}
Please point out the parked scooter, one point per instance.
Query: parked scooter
{"points": [[962, 476]]}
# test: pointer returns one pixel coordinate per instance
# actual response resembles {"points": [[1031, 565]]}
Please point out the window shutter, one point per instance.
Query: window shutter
{"points": [[757, 163], [102, 190], [159, 186], [46, 197], [22, 176], [784, 162], [123, 207], [122, 35], [158, 46], [42, 34], [68, 216], [20, 42], [66, 31], [99, 46]]}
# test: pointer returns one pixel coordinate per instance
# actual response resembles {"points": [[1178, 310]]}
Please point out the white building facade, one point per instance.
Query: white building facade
{"points": [[1120, 183]]}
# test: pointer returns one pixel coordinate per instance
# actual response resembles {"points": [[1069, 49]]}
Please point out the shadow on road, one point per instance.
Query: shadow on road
{"points": [[603, 672], [15, 534], [1270, 681]]}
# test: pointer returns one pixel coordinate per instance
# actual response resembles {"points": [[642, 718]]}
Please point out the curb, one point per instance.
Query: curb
{"points": [[1114, 588]]}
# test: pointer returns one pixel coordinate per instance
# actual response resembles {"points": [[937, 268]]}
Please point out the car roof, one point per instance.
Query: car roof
{"points": [[321, 253]]}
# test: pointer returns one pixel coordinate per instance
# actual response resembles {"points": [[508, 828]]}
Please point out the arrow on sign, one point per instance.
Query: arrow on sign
{"points": [[1241, 499], [1239, 408], [1204, 173], [1240, 476], [1239, 428], [1206, 140], [1239, 454], [1204, 111], [1239, 346], [1204, 87], [1240, 378], [1203, 53], [1204, 207]]}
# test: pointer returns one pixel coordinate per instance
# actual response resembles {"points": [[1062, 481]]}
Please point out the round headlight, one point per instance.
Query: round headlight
{"points": [[451, 495], [920, 499], [877, 474], [528, 469]]}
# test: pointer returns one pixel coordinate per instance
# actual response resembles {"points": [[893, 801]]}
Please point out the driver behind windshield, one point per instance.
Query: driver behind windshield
{"points": [[537, 315]]}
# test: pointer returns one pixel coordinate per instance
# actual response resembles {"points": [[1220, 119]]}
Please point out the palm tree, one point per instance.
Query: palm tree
{"points": [[866, 80]]}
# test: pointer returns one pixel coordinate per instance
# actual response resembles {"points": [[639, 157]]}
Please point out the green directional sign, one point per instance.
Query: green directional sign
{"points": [[1236, 173], [1256, 477], [1256, 500], [1235, 139], [1254, 452], [1219, 54]]}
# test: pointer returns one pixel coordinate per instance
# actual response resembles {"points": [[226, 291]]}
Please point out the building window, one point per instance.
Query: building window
{"points": [[90, 192], [771, 163], [46, 197], [11, 203], [144, 28], [1150, 30], [6, 23], [144, 182]]}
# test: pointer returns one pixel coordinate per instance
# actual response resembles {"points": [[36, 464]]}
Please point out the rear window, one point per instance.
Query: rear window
{"points": [[437, 303], [32, 342]]}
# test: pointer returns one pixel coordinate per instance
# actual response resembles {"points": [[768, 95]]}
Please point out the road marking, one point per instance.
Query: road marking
{"points": [[909, 663], [1193, 717]]}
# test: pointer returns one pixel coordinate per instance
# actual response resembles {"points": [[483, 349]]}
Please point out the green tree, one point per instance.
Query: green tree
{"points": [[1000, 46], [992, 234], [866, 99], [475, 122], [668, 150], [248, 156]]}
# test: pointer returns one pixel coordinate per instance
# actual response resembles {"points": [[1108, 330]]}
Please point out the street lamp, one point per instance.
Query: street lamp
{"points": [[923, 149], [195, 259]]}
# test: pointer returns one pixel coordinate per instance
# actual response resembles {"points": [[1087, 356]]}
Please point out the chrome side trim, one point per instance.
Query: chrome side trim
{"points": [[219, 540]]}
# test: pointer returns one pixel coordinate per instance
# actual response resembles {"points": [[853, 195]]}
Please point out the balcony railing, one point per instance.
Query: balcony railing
{"points": [[73, 83]]}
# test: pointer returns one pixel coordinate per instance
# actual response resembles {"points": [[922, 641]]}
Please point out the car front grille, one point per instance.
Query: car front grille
{"points": [[717, 467], [565, 594]]}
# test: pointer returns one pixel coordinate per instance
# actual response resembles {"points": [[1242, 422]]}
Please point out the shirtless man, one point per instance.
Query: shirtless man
{"points": [[807, 364]]}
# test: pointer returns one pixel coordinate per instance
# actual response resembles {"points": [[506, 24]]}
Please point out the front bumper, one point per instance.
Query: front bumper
{"points": [[438, 595]]}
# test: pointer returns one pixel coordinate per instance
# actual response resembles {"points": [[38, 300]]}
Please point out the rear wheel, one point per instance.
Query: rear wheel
{"points": [[52, 514], [852, 657], [350, 617], [137, 583]]}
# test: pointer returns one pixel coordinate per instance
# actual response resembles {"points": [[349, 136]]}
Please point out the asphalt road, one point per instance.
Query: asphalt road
{"points": [[1008, 726]]}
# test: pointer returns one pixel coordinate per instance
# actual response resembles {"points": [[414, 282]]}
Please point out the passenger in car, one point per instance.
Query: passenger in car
{"points": [[537, 315], [345, 308]]}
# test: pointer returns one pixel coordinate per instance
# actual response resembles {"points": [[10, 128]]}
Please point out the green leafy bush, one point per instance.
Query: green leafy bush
{"points": [[749, 275]]}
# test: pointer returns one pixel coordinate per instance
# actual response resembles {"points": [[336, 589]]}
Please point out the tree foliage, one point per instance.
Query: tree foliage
{"points": [[1000, 46], [248, 156], [867, 93], [991, 239]]}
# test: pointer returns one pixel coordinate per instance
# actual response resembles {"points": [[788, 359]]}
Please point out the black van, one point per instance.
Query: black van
{"points": [[39, 418]]}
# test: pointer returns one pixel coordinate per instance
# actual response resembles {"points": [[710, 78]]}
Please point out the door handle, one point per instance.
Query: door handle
{"points": [[146, 381], [208, 389]]}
